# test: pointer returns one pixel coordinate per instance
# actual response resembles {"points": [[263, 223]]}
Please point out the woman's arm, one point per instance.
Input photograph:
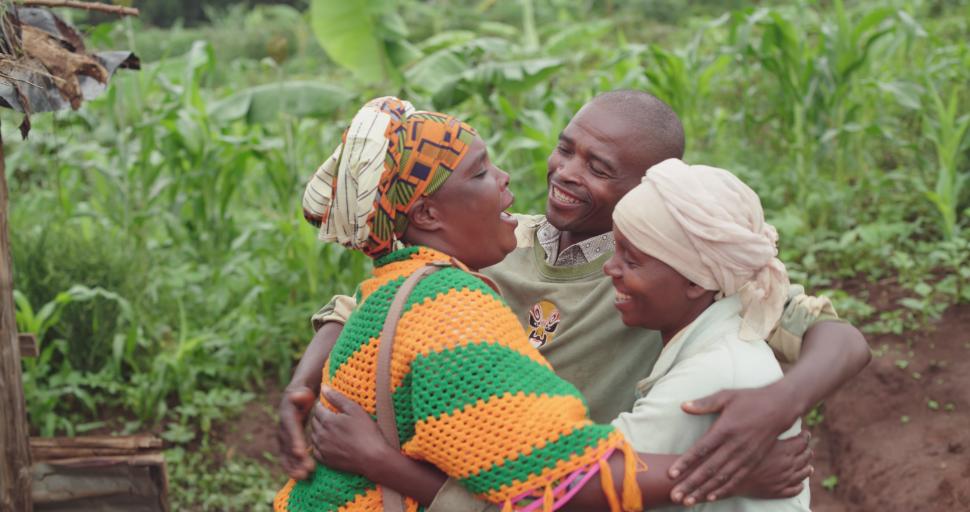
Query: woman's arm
{"points": [[299, 397]]}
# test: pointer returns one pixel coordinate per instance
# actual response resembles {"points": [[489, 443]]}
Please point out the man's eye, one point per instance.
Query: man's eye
{"points": [[562, 149]]}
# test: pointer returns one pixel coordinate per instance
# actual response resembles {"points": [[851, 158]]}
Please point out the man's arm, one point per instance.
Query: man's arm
{"points": [[832, 352], [299, 397]]}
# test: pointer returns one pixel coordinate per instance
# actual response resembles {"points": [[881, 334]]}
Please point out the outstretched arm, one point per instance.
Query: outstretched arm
{"points": [[832, 352]]}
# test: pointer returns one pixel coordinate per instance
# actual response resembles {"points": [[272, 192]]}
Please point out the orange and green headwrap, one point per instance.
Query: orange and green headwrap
{"points": [[390, 156]]}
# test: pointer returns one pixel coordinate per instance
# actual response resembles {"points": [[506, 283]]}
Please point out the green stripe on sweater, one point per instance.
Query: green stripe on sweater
{"points": [[327, 490], [364, 323], [521, 468], [480, 371]]}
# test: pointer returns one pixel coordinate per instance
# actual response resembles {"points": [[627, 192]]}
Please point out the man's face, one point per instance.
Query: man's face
{"points": [[600, 157]]}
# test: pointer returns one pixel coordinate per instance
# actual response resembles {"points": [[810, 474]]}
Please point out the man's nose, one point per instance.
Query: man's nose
{"points": [[570, 169]]}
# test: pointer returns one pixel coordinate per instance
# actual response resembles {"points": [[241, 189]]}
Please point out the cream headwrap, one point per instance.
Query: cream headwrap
{"points": [[709, 226]]}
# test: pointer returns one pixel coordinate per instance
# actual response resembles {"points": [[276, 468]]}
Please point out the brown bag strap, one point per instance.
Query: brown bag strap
{"points": [[386, 421]]}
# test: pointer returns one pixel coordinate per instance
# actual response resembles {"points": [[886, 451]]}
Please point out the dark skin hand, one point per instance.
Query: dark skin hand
{"points": [[348, 440], [831, 354], [298, 399]]}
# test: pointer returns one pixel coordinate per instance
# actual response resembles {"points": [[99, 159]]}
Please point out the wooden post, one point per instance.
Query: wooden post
{"points": [[15, 480]]}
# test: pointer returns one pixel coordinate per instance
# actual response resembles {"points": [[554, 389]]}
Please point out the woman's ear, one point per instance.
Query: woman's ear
{"points": [[424, 215], [695, 292]]}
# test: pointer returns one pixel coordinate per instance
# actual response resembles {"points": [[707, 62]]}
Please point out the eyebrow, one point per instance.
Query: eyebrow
{"points": [[479, 161], [592, 154]]}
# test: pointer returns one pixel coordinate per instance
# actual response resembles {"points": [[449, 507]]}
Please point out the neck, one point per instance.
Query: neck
{"points": [[693, 311], [440, 244]]}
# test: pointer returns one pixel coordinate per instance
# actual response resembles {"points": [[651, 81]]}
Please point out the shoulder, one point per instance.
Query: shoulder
{"points": [[709, 370], [450, 281], [525, 231]]}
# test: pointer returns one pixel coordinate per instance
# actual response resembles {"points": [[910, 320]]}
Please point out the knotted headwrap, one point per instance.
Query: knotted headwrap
{"points": [[389, 157], [710, 227]]}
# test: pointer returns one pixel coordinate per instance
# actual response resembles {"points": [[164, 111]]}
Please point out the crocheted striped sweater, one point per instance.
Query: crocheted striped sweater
{"points": [[470, 394]]}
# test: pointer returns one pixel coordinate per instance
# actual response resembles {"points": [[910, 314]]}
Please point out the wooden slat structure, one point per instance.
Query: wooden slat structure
{"points": [[15, 456], [28, 345], [104, 473]]}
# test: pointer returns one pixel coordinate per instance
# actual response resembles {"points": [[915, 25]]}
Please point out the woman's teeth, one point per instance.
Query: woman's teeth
{"points": [[561, 196], [622, 297]]}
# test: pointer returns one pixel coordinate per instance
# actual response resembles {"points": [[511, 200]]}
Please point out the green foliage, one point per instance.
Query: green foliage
{"points": [[212, 479], [830, 483], [349, 32]]}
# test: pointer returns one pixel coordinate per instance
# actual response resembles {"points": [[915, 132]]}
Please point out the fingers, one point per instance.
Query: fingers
{"points": [[728, 488], [800, 475], [804, 459], [319, 414], [302, 397], [341, 402], [791, 492], [701, 475], [709, 404], [707, 444], [722, 482]]}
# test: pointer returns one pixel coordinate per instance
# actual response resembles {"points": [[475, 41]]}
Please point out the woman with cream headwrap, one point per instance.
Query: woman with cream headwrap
{"points": [[696, 260]]}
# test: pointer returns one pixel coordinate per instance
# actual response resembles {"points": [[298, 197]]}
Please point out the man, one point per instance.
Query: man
{"points": [[554, 281]]}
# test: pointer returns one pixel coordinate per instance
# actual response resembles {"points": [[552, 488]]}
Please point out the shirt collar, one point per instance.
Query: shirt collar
{"points": [[579, 253]]}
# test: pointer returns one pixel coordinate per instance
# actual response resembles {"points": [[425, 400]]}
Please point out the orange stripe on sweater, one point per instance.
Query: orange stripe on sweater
{"points": [[455, 319], [357, 377], [282, 498], [491, 432]]}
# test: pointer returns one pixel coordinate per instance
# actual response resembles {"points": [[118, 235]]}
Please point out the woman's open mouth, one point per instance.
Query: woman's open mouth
{"points": [[505, 216], [621, 297]]}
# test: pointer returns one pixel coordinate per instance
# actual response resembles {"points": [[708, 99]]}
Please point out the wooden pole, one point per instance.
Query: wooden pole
{"points": [[75, 4], [15, 481]]}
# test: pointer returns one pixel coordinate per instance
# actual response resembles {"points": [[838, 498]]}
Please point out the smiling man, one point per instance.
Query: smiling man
{"points": [[554, 282]]}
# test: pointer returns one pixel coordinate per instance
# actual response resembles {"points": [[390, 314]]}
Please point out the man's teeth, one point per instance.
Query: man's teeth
{"points": [[622, 297], [560, 196]]}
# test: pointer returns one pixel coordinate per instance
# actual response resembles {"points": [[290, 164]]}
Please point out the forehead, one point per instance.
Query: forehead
{"points": [[477, 152], [608, 131]]}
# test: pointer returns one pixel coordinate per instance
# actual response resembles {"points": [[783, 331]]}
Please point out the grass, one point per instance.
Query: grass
{"points": [[160, 255]]}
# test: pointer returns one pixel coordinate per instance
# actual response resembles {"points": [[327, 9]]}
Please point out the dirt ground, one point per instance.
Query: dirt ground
{"points": [[896, 438]]}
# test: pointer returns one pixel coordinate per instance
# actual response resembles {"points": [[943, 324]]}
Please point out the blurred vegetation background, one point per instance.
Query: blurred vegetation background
{"points": [[160, 254]]}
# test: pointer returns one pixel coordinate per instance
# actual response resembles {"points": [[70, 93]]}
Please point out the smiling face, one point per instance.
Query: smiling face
{"points": [[470, 210], [650, 293]]}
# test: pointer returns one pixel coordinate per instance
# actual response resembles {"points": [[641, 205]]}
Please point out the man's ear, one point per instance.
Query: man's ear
{"points": [[424, 215]]}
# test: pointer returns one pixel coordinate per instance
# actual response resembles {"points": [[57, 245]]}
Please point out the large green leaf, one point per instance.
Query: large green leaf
{"points": [[348, 32], [264, 103], [510, 77]]}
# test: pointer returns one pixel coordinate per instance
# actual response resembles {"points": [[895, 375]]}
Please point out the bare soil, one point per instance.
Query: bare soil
{"points": [[897, 437]]}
